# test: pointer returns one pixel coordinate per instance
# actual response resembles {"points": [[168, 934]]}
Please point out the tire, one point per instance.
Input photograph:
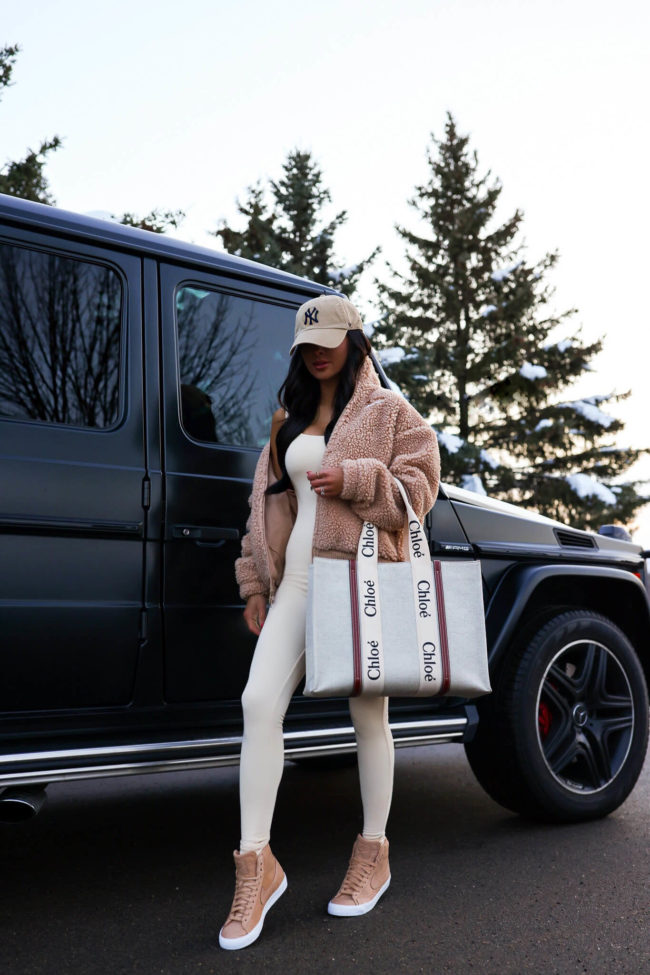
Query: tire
{"points": [[564, 735]]}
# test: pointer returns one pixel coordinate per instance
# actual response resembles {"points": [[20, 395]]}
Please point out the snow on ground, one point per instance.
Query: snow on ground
{"points": [[472, 482], [543, 424], [585, 485], [529, 371]]}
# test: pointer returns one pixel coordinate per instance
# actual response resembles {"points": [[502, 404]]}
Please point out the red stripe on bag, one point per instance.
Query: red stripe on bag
{"points": [[356, 631], [442, 626]]}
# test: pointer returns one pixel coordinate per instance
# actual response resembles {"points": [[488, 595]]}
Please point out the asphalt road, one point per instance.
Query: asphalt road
{"points": [[135, 875]]}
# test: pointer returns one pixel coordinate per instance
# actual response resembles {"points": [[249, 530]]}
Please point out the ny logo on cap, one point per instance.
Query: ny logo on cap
{"points": [[311, 316]]}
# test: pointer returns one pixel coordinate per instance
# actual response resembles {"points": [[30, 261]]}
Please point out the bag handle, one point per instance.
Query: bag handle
{"points": [[424, 604], [418, 545]]}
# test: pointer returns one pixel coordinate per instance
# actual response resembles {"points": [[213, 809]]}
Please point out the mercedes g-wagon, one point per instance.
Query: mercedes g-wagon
{"points": [[138, 376]]}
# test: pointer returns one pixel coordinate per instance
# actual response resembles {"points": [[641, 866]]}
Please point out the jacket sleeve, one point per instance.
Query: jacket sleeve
{"points": [[368, 483], [246, 573]]}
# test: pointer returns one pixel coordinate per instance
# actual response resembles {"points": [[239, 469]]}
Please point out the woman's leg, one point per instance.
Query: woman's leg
{"points": [[376, 761], [368, 873], [277, 668]]}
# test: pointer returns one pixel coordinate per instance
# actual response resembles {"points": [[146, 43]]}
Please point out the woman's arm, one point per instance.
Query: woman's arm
{"points": [[276, 422], [368, 483], [251, 589], [246, 573]]}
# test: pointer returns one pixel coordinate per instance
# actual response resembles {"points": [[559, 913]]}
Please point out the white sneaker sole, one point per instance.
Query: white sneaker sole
{"points": [[353, 910], [232, 944]]}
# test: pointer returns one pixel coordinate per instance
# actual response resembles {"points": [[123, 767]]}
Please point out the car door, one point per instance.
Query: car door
{"points": [[72, 461], [225, 352]]}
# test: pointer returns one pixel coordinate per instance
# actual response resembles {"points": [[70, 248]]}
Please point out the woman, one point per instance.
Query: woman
{"points": [[327, 468]]}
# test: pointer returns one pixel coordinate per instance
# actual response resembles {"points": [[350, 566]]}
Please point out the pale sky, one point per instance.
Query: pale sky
{"points": [[184, 105]]}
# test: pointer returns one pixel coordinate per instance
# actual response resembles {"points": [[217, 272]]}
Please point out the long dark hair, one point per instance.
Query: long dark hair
{"points": [[299, 394]]}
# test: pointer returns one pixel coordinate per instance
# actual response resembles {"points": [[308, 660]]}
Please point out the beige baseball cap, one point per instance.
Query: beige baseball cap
{"points": [[325, 320]]}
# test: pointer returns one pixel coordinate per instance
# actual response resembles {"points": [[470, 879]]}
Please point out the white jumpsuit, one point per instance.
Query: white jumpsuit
{"points": [[277, 668]]}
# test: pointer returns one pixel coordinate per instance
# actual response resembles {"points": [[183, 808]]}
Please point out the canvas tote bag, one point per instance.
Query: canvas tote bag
{"points": [[400, 629]]}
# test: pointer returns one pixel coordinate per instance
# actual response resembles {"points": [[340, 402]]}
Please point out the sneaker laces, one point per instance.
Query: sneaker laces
{"points": [[245, 890], [357, 875]]}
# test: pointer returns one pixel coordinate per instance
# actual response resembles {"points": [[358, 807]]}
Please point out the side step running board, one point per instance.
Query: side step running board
{"points": [[86, 763]]}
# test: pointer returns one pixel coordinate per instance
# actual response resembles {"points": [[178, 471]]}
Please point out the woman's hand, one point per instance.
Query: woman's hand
{"points": [[255, 613], [327, 482]]}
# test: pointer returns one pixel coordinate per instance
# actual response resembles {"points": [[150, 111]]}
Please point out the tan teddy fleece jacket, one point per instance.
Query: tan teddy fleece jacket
{"points": [[377, 435]]}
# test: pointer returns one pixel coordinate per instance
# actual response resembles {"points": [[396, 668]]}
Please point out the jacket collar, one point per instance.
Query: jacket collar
{"points": [[367, 382], [367, 379]]}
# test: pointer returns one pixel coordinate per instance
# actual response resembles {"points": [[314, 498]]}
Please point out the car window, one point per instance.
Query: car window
{"points": [[233, 355], [60, 339]]}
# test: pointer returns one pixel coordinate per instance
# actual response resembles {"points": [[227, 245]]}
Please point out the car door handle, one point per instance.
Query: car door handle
{"points": [[205, 533]]}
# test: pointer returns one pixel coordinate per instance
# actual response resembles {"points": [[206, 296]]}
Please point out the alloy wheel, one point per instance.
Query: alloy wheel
{"points": [[586, 716]]}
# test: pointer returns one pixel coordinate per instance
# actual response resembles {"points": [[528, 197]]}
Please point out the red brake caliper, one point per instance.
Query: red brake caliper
{"points": [[544, 719]]}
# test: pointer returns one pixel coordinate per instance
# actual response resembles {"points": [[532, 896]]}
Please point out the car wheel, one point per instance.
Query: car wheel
{"points": [[565, 735]]}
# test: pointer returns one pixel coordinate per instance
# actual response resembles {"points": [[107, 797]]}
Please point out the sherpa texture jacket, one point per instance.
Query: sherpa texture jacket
{"points": [[377, 435]]}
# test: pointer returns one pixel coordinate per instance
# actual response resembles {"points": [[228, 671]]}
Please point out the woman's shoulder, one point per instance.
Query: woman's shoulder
{"points": [[278, 417], [277, 420]]}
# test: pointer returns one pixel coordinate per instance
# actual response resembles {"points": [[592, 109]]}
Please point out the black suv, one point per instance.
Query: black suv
{"points": [[138, 375]]}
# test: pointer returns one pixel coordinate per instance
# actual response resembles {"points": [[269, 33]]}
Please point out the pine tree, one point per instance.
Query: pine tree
{"points": [[468, 334], [257, 241], [25, 177], [289, 233]]}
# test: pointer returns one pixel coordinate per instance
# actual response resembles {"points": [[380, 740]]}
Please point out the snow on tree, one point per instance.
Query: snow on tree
{"points": [[481, 358]]}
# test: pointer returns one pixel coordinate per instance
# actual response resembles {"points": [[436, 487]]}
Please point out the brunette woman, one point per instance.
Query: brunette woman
{"points": [[334, 446]]}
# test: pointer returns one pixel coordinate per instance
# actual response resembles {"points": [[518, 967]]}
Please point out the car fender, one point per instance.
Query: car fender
{"points": [[518, 587]]}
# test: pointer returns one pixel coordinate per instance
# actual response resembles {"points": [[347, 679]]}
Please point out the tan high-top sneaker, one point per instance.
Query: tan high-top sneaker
{"points": [[260, 881], [367, 877]]}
